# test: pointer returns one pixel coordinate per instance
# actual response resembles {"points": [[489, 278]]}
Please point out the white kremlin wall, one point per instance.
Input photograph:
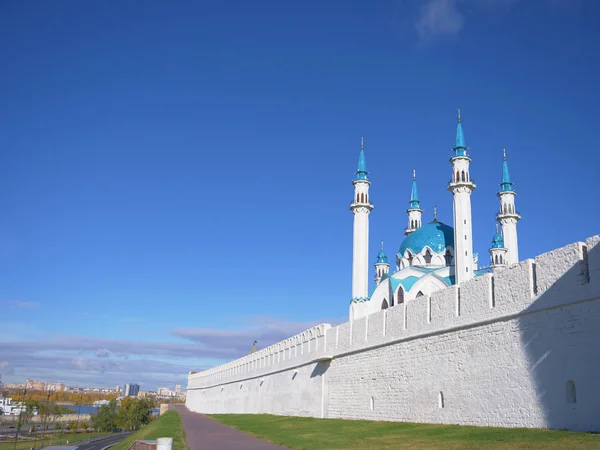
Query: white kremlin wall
{"points": [[517, 348]]}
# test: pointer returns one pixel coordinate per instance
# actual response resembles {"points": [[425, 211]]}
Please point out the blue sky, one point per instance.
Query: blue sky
{"points": [[175, 179]]}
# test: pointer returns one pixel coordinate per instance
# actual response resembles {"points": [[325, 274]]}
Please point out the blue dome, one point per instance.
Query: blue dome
{"points": [[381, 257], [497, 241], [435, 235]]}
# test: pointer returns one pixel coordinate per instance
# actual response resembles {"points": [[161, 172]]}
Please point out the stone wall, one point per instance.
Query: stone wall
{"points": [[518, 348]]}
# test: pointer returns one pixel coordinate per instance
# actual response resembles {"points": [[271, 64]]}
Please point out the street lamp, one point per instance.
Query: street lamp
{"points": [[19, 421], [46, 418]]}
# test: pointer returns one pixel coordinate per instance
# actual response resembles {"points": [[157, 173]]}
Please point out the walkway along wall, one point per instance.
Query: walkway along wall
{"points": [[516, 348]]}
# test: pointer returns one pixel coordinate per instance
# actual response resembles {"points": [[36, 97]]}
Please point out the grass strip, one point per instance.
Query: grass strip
{"points": [[167, 425], [303, 433], [49, 439]]}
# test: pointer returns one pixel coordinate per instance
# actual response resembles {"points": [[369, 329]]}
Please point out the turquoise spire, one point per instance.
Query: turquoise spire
{"points": [[460, 148], [414, 195], [506, 185], [361, 174], [381, 256], [497, 240]]}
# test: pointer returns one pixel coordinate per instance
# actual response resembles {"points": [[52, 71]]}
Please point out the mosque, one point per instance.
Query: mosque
{"points": [[433, 255], [439, 339]]}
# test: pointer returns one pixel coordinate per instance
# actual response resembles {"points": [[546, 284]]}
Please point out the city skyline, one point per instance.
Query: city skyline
{"points": [[58, 386], [176, 181]]}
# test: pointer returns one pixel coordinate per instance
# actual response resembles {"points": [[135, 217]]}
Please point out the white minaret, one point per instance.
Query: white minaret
{"points": [[461, 187], [361, 207], [497, 251], [414, 210], [382, 267], [508, 215]]}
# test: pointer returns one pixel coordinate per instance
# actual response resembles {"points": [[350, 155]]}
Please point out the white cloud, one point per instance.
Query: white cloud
{"points": [[445, 18], [87, 361], [20, 304], [439, 18], [103, 353], [266, 330]]}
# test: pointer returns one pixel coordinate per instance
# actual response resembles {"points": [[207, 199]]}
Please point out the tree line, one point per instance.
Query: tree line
{"points": [[77, 398], [131, 414]]}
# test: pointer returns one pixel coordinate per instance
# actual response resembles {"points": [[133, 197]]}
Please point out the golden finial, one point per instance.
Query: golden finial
{"points": [[458, 115], [362, 142]]}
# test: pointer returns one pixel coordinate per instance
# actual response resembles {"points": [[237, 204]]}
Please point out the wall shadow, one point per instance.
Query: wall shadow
{"points": [[560, 337], [320, 369]]}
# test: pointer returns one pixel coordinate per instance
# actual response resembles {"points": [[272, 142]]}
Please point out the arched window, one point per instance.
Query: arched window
{"points": [[467, 176], [463, 176], [400, 295], [384, 304], [419, 294], [441, 400], [505, 209], [500, 259], [457, 176], [362, 198], [496, 259], [448, 257], [571, 394], [410, 258], [428, 257]]}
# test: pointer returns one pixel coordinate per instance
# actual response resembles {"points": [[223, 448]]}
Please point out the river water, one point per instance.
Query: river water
{"points": [[87, 409]]}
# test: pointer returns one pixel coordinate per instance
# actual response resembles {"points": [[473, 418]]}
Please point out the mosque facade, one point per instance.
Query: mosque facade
{"points": [[433, 255]]}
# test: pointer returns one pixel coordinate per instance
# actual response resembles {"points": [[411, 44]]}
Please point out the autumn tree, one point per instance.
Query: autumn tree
{"points": [[134, 412], [106, 417]]}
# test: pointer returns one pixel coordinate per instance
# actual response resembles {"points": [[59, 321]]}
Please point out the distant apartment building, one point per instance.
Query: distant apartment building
{"points": [[118, 388], [163, 392], [35, 385], [166, 392], [131, 390], [55, 387]]}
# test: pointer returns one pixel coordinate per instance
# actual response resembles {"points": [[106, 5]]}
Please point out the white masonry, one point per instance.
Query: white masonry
{"points": [[361, 207], [461, 187]]}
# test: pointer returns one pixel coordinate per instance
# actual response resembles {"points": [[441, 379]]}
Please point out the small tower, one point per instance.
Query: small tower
{"points": [[414, 210], [361, 207], [461, 187], [253, 349], [497, 251], [508, 215], [382, 266]]}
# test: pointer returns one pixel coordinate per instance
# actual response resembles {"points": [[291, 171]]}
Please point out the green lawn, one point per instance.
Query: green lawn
{"points": [[167, 425], [49, 439], [326, 434]]}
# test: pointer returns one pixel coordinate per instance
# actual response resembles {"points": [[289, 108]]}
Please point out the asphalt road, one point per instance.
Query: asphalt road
{"points": [[99, 444]]}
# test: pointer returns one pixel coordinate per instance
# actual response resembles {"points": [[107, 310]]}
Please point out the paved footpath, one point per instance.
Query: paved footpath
{"points": [[204, 433]]}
